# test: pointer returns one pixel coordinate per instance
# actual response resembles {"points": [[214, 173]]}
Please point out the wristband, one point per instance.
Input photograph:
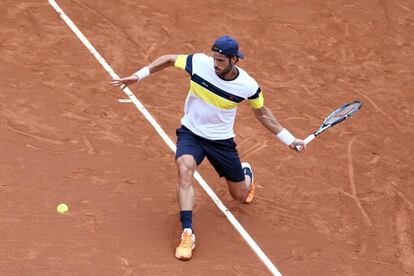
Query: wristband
{"points": [[142, 73], [286, 137]]}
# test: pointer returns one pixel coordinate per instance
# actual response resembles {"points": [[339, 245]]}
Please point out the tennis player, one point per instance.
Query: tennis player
{"points": [[217, 87]]}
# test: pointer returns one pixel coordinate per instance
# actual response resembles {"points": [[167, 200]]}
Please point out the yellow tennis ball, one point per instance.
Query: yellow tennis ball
{"points": [[62, 208]]}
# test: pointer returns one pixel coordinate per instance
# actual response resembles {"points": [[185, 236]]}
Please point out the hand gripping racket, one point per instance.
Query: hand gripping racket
{"points": [[336, 117]]}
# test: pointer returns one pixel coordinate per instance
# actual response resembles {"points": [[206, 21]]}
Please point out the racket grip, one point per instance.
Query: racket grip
{"points": [[307, 140]]}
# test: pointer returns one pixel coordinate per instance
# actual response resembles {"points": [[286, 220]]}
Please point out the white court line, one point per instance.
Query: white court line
{"points": [[167, 140]]}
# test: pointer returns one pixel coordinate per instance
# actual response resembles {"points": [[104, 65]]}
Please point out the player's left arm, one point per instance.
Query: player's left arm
{"points": [[269, 121]]}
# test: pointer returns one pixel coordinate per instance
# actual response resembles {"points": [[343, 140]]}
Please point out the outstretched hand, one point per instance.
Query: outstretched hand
{"points": [[298, 145], [124, 82]]}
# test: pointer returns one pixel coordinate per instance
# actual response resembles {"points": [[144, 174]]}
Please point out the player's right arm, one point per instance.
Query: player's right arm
{"points": [[155, 66]]}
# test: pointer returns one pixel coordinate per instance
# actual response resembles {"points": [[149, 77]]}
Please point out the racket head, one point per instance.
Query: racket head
{"points": [[343, 113]]}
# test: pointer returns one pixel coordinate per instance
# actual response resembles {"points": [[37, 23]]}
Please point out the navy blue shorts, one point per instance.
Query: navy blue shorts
{"points": [[222, 154]]}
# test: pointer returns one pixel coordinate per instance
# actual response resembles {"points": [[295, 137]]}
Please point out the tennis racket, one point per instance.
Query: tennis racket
{"points": [[339, 115]]}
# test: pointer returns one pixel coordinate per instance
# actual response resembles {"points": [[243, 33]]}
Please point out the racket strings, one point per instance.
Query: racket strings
{"points": [[343, 113]]}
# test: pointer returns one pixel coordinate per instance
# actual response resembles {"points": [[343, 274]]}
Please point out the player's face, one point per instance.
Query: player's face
{"points": [[222, 64]]}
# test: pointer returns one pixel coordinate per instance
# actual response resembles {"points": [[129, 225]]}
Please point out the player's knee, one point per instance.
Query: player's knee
{"points": [[239, 195], [238, 190], [186, 170]]}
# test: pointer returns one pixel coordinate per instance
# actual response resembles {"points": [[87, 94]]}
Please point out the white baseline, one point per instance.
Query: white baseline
{"points": [[167, 140]]}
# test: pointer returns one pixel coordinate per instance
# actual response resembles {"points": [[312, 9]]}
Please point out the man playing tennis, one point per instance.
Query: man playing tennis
{"points": [[217, 86]]}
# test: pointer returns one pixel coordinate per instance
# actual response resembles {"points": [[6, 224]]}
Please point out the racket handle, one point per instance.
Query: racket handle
{"points": [[307, 140]]}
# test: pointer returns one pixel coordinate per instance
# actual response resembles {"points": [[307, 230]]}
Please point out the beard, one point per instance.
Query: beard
{"points": [[225, 71]]}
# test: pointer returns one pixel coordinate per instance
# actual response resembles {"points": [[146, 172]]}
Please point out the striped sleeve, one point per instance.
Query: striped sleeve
{"points": [[256, 100], [185, 62]]}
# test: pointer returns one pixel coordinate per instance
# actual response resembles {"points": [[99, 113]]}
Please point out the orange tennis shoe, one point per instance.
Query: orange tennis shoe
{"points": [[184, 251], [247, 169]]}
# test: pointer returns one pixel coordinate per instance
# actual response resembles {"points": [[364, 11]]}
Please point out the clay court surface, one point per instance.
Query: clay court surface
{"points": [[344, 207]]}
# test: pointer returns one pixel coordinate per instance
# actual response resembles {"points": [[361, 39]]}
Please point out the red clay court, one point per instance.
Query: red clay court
{"points": [[344, 207]]}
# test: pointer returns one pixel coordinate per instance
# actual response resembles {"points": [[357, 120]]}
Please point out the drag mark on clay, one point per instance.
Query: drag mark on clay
{"points": [[107, 21], [52, 151], [308, 91], [405, 242], [245, 141], [402, 196], [36, 137], [149, 52], [278, 207], [90, 149], [126, 266], [254, 149], [249, 146], [352, 183], [402, 6], [396, 124], [374, 160], [346, 193], [295, 118]]}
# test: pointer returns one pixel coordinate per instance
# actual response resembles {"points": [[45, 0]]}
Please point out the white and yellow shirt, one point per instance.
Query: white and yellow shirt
{"points": [[211, 105]]}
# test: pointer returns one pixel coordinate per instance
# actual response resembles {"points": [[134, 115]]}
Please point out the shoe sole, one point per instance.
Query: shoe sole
{"points": [[183, 259]]}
